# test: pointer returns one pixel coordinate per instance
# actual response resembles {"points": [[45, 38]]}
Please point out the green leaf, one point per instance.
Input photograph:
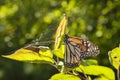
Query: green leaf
{"points": [[114, 57], [62, 76], [89, 78], [102, 78], [59, 37], [96, 70], [89, 62], [32, 54], [60, 52]]}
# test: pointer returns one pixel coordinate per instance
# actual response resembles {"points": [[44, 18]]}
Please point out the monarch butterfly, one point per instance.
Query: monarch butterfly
{"points": [[76, 49]]}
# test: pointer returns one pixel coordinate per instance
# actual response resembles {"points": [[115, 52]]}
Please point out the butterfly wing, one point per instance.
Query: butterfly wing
{"points": [[76, 49], [72, 54], [91, 49], [87, 48]]}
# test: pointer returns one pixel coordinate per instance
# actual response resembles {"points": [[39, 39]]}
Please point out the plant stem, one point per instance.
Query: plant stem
{"points": [[118, 77]]}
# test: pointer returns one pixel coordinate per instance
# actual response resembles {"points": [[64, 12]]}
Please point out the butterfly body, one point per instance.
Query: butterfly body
{"points": [[77, 49]]}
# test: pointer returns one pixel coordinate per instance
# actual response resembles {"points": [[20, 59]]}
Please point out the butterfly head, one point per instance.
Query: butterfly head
{"points": [[66, 37]]}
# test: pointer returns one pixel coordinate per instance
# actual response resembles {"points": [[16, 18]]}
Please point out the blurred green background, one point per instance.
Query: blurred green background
{"points": [[21, 21]]}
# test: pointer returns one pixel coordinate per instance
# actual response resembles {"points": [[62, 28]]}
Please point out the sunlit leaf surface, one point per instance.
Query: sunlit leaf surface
{"points": [[64, 77], [89, 62], [60, 52], [99, 71], [114, 57], [32, 54], [59, 36]]}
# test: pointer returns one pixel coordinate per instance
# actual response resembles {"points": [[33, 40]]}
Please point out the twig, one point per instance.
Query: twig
{"points": [[118, 76]]}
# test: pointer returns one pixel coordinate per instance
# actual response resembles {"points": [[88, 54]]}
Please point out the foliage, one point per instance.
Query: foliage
{"points": [[60, 32], [22, 20], [64, 77], [114, 57], [100, 71], [31, 53], [44, 54]]}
